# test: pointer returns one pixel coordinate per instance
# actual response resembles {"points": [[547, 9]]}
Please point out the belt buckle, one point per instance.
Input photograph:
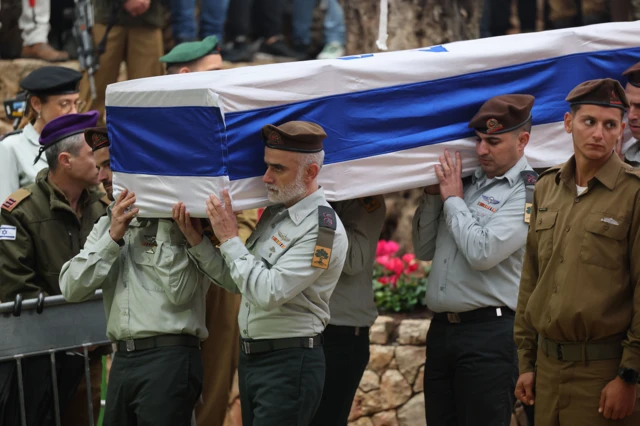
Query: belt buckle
{"points": [[310, 342], [357, 331], [559, 352], [131, 346], [453, 318], [246, 347]]}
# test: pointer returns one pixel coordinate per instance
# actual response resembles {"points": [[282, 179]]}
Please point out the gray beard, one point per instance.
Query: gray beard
{"points": [[287, 194]]}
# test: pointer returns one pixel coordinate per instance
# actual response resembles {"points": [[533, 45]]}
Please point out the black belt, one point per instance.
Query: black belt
{"points": [[270, 345], [475, 315], [573, 351], [345, 330], [162, 341]]}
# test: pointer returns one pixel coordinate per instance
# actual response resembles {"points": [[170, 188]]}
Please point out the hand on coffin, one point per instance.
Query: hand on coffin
{"points": [[450, 176], [191, 227], [223, 220], [122, 214]]}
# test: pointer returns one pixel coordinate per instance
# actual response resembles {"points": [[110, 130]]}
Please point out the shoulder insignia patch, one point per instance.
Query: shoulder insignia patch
{"points": [[370, 204], [327, 223], [16, 198], [530, 178]]}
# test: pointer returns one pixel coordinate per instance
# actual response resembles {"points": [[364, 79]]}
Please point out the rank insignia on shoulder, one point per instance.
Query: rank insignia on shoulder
{"points": [[527, 212], [530, 178], [16, 198], [327, 224], [370, 204]]}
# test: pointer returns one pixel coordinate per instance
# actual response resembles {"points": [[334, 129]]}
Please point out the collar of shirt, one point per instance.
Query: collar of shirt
{"points": [[303, 208], [512, 176], [606, 175], [633, 153], [32, 136]]}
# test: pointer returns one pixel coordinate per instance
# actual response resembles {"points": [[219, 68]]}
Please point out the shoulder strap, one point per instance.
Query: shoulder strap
{"points": [[16, 198], [633, 172], [327, 222], [530, 178]]}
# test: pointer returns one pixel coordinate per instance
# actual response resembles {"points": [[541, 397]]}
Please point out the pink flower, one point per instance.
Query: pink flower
{"points": [[412, 267], [386, 248], [394, 280], [382, 260], [384, 280], [395, 265], [408, 257]]}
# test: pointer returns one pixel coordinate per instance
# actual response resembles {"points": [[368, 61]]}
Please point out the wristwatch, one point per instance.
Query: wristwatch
{"points": [[629, 375]]}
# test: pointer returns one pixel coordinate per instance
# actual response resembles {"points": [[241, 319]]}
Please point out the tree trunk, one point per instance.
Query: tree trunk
{"points": [[411, 23]]}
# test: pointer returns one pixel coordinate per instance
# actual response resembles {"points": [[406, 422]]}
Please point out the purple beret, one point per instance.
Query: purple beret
{"points": [[63, 127]]}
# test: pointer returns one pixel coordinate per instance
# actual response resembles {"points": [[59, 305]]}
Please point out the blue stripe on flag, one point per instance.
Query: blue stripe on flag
{"points": [[358, 125], [176, 141]]}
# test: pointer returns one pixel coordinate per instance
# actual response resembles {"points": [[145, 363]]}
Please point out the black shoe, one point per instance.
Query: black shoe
{"points": [[240, 52], [279, 49]]}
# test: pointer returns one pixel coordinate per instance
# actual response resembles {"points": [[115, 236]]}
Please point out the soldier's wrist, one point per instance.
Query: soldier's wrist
{"points": [[119, 241]]}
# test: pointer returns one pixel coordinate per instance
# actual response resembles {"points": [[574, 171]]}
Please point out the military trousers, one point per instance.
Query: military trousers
{"points": [[470, 373], [281, 387], [347, 356], [139, 47], [568, 393], [219, 355], [154, 387]]}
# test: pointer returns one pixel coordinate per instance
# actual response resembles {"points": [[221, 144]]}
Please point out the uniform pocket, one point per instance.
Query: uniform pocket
{"points": [[145, 261], [545, 225], [605, 242]]}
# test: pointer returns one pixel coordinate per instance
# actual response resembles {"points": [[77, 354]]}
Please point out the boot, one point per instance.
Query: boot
{"points": [[45, 52]]}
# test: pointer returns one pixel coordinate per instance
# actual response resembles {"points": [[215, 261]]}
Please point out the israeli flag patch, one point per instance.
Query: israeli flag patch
{"points": [[7, 232]]}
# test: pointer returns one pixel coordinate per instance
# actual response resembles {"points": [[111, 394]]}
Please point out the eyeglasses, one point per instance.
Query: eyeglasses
{"points": [[66, 105]]}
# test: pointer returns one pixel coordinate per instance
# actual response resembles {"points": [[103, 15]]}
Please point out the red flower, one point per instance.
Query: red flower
{"points": [[382, 260], [395, 265], [384, 280], [408, 257], [386, 248], [412, 267]]}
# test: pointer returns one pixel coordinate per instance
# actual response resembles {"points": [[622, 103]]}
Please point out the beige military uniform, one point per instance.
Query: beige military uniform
{"points": [[580, 284]]}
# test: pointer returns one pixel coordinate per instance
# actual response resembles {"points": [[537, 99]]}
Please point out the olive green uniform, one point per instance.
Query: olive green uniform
{"points": [[580, 285]]}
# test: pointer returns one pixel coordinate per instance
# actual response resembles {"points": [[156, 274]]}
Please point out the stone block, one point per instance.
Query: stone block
{"points": [[380, 330], [385, 418], [380, 357], [412, 413], [370, 381], [413, 332]]}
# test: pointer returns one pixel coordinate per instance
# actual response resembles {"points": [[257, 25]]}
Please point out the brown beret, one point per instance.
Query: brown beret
{"points": [[298, 136], [604, 92], [502, 114], [96, 137], [633, 74]]}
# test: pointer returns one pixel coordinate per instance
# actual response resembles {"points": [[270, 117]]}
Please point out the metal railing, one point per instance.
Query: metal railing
{"points": [[45, 326]]}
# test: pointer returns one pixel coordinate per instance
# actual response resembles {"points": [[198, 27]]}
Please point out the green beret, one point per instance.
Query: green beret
{"points": [[192, 50]]}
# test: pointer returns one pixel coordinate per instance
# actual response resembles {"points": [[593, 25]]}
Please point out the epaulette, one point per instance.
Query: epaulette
{"points": [[16, 198], [633, 172], [370, 204], [15, 132], [550, 170], [327, 222], [530, 178]]}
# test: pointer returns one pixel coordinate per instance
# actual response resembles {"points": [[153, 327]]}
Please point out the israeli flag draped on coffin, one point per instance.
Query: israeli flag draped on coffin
{"points": [[388, 116]]}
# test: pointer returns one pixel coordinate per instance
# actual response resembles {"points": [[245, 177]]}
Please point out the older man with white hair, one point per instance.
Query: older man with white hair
{"points": [[286, 274]]}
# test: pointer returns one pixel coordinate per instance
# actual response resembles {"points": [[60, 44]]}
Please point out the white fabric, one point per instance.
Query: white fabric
{"points": [[34, 22]]}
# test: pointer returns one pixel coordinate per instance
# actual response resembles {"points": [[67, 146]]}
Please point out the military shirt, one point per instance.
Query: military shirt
{"points": [[352, 302], [283, 295], [581, 276], [632, 156], [150, 286], [17, 152], [41, 233], [476, 243]]}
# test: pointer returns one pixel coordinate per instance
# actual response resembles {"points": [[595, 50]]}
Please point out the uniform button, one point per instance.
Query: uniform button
{"points": [[577, 199], [548, 319], [125, 313], [561, 259], [445, 261], [539, 221], [555, 289], [244, 331], [567, 228], [246, 304], [606, 226], [441, 288]]}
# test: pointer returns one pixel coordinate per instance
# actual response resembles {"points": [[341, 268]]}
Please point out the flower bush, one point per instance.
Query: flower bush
{"points": [[399, 282]]}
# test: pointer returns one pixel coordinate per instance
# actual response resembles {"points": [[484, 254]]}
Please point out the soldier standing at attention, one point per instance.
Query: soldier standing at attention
{"points": [[632, 90], [286, 275], [475, 234], [578, 317]]}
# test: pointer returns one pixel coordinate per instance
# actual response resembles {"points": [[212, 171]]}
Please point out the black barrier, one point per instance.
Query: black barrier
{"points": [[45, 326]]}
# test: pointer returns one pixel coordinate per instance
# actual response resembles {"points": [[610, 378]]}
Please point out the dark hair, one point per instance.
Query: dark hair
{"points": [[576, 107]]}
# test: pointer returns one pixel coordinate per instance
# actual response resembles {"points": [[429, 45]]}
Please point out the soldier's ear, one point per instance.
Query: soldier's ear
{"points": [[568, 122], [311, 172], [64, 159]]}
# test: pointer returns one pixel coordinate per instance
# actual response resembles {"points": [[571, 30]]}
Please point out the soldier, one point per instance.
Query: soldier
{"points": [[98, 140], [632, 90], [219, 351], [44, 225], [154, 298], [52, 92], [194, 56], [286, 275], [353, 310], [577, 323], [475, 234]]}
